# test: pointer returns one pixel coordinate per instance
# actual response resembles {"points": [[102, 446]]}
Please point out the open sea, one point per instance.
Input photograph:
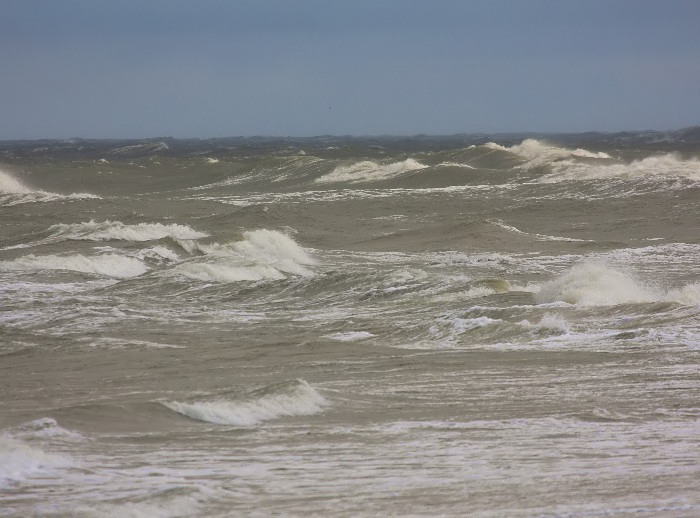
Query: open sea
{"points": [[472, 325]]}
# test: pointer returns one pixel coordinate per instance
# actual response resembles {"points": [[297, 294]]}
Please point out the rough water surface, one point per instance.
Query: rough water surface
{"points": [[483, 326]]}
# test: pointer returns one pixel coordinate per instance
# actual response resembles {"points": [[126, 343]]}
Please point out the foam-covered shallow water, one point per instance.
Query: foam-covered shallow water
{"points": [[358, 327]]}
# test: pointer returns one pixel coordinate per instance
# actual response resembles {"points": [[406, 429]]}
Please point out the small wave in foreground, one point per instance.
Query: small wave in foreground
{"points": [[294, 398]]}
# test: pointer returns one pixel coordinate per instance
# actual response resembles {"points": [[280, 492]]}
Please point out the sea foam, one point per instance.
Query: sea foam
{"points": [[10, 185], [108, 265], [368, 171], [351, 336], [566, 164], [13, 192], [116, 230], [668, 166], [538, 153], [20, 461], [295, 398], [597, 284], [594, 284], [261, 254]]}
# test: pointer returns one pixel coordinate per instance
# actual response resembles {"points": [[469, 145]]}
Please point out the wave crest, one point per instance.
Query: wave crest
{"points": [[581, 164], [108, 265], [19, 461], [9, 185], [295, 398], [116, 230], [538, 153], [368, 171], [14, 192], [596, 284], [668, 166], [262, 254]]}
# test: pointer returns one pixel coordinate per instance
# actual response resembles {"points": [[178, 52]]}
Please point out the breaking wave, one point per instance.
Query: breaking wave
{"points": [[668, 166], [9, 185], [116, 230], [295, 398], [108, 265], [368, 171], [13, 192], [262, 254], [596, 284], [538, 153], [45, 428], [581, 164], [20, 461]]}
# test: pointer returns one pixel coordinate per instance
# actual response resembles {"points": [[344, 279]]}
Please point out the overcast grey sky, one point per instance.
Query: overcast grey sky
{"points": [[205, 68]]}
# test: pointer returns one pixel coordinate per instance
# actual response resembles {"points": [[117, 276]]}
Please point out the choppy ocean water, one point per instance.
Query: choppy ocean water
{"points": [[482, 326]]}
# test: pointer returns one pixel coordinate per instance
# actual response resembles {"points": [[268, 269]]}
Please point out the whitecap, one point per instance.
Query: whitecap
{"points": [[10, 185], [116, 230], [351, 336], [261, 254], [566, 164], [296, 398], [688, 295], [594, 284], [45, 427], [108, 265], [460, 325], [368, 171], [537, 153], [14, 192], [20, 461]]}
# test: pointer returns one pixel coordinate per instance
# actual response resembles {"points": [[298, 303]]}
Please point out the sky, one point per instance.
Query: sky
{"points": [[215, 68]]}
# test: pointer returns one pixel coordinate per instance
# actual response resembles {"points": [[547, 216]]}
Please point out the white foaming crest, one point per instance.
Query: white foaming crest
{"points": [[108, 265], [368, 171], [262, 254], [537, 153], [11, 186], [596, 284], [351, 336], [456, 164], [116, 230], [460, 325], [553, 322], [668, 166], [549, 322], [19, 461], [688, 295], [566, 164], [13, 192], [296, 398], [45, 427]]}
